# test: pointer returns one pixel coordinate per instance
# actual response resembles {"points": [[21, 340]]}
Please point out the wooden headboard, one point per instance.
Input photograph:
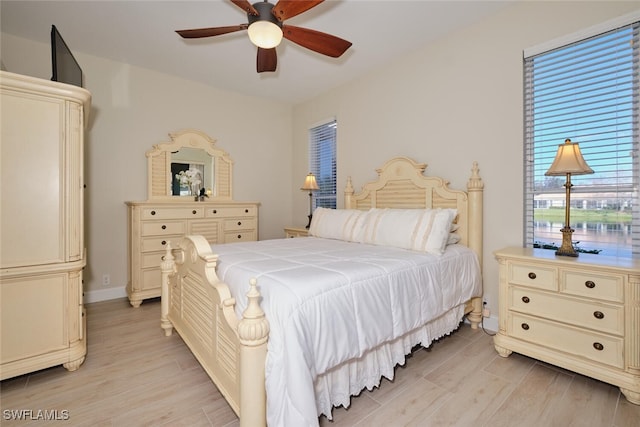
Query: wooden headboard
{"points": [[402, 184]]}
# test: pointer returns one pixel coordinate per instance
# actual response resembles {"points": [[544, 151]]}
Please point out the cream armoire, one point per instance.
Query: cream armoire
{"points": [[42, 252]]}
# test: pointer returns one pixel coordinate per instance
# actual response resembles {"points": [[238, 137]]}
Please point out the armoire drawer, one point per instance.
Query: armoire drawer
{"points": [[536, 276], [608, 318], [591, 285], [187, 212], [595, 346], [162, 228]]}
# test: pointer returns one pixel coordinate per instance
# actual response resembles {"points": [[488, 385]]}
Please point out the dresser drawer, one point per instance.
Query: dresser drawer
{"points": [[173, 213], [152, 259], [227, 211], [240, 236], [591, 345], [153, 244], [592, 285], [162, 228], [240, 224], [606, 318], [542, 277]]}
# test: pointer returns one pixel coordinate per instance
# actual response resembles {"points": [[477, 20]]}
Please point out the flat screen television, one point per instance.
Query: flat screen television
{"points": [[65, 67]]}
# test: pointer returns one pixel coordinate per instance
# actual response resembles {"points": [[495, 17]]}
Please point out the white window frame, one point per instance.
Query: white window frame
{"points": [[529, 158], [323, 162]]}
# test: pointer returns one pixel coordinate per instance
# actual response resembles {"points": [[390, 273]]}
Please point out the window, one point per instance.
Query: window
{"points": [[587, 91], [322, 163]]}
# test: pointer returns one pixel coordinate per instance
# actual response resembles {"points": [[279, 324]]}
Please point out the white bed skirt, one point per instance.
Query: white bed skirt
{"points": [[335, 388]]}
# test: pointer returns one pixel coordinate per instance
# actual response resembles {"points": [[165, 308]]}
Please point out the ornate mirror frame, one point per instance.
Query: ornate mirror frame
{"points": [[159, 166]]}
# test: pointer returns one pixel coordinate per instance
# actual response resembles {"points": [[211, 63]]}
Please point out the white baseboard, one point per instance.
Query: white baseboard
{"points": [[104, 294]]}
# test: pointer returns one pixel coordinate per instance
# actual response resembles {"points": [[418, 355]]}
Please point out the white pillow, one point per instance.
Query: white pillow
{"points": [[334, 223], [425, 230]]}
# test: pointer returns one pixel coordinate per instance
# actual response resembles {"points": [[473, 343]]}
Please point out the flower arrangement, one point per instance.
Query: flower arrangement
{"points": [[189, 178]]}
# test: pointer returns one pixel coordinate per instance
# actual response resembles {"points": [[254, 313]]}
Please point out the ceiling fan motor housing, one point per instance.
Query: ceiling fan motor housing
{"points": [[264, 14]]}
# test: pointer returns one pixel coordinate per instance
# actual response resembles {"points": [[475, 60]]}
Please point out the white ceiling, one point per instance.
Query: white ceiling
{"points": [[142, 33]]}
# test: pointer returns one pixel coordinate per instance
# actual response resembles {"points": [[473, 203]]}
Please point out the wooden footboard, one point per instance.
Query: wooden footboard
{"points": [[200, 307]]}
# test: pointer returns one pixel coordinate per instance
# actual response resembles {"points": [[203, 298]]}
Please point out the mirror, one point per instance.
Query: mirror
{"points": [[179, 169]]}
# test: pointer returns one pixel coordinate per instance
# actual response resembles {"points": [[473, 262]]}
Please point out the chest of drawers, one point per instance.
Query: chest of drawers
{"points": [[151, 225], [581, 314]]}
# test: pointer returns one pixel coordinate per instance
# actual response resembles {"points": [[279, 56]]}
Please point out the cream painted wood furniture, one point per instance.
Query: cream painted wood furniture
{"points": [[165, 217], [581, 314], [233, 351], [42, 214], [291, 232]]}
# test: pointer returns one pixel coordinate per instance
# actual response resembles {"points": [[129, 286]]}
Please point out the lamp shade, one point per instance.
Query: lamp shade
{"points": [[265, 34], [569, 160], [310, 183]]}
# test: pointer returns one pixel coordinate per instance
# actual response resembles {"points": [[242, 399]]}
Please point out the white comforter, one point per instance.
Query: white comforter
{"points": [[329, 301]]}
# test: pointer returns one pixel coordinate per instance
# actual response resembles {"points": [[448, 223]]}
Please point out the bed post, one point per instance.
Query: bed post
{"points": [[348, 195], [167, 267], [475, 188], [253, 331]]}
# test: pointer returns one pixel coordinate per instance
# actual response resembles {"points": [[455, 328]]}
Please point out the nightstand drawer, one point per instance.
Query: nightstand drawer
{"points": [[536, 276], [591, 285], [606, 318], [591, 345], [162, 228]]}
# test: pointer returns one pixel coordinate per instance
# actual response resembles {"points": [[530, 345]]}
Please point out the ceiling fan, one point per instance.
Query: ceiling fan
{"points": [[266, 29]]}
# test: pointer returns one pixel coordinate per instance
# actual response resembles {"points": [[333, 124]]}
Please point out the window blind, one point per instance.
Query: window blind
{"points": [[322, 163], [587, 91]]}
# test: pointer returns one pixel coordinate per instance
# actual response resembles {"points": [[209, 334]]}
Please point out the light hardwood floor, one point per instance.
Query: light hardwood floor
{"points": [[135, 376]]}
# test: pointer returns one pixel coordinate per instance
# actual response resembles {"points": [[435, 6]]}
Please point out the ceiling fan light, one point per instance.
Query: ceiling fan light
{"points": [[265, 34]]}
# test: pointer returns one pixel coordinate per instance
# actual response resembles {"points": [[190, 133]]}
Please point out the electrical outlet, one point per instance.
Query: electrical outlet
{"points": [[106, 280], [485, 310]]}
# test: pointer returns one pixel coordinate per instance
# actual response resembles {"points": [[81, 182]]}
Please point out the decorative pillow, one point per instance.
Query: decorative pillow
{"points": [[425, 230], [334, 223]]}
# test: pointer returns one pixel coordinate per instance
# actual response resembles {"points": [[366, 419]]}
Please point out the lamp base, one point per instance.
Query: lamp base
{"points": [[309, 224], [567, 248]]}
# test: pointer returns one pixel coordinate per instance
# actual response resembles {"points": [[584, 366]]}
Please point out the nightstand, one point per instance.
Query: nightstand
{"points": [[582, 314], [291, 232]]}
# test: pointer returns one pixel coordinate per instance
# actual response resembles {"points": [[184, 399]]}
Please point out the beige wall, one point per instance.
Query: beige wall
{"points": [[448, 104], [132, 109]]}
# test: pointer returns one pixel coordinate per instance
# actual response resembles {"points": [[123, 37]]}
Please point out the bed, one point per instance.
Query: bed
{"points": [[289, 328]]}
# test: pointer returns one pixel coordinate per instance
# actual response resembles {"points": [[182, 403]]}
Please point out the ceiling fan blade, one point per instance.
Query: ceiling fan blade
{"points": [[210, 32], [286, 9], [246, 6], [317, 41], [267, 60]]}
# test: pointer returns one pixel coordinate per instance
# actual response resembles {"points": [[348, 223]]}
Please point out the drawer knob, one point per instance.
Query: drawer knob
{"points": [[246, 211], [525, 326], [239, 236], [598, 315], [532, 275], [153, 212], [164, 242], [164, 227], [215, 211], [194, 211], [239, 222], [590, 284], [598, 346], [525, 300]]}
